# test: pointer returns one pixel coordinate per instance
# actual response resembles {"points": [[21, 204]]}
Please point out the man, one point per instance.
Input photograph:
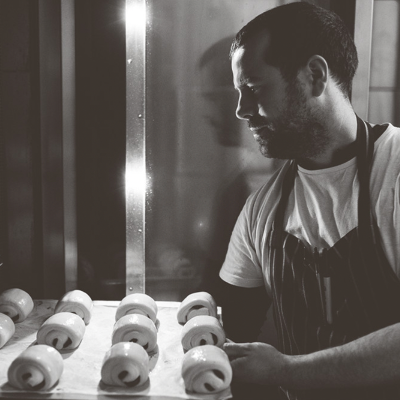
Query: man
{"points": [[321, 240]]}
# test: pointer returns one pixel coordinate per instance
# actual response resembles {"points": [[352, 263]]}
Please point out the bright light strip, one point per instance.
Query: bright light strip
{"points": [[135, 180], [136, 15]]}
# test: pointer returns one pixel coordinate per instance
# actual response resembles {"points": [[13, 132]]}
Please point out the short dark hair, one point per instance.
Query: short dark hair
{"points": [[300, 30]]}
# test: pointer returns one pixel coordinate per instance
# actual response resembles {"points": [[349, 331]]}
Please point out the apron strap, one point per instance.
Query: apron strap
{"points": [[365, 153], [287, 186]]}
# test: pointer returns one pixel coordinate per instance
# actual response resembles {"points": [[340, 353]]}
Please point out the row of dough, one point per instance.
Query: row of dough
{"points": [[205, 366], [134, 339], [126, 363]]}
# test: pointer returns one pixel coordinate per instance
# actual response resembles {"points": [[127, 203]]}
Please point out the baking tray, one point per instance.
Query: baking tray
{"points": [[81, 378]]}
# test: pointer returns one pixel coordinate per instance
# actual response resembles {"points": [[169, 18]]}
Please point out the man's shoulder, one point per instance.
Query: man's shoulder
{"points": [[386, 133], [269, 192], [387, 147], [385, 171]]}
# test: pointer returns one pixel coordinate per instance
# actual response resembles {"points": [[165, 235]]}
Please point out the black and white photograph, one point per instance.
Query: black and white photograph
{"points": [[200, 199]]}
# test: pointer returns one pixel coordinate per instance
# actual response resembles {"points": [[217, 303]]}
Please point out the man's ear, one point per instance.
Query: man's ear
{"points": [[318, 74]]}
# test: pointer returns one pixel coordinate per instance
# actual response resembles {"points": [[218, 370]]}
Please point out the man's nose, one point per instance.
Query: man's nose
{"points": [[246, 107]]}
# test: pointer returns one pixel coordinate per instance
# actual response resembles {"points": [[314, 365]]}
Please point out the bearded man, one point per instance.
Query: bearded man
{"points": [[320, 241]]}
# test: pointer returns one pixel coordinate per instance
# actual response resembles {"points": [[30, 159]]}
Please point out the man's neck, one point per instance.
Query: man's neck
{"points": [[342, 148]]}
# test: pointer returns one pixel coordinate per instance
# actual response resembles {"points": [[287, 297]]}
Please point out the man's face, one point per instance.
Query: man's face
{"points": [[279, 113]]}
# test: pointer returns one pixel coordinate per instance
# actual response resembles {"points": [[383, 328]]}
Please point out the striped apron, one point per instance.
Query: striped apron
{"points": [[325, 299]]}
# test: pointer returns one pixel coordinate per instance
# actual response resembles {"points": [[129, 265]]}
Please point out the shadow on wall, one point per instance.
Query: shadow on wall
{"points": [[216, 65], [231, 195]]}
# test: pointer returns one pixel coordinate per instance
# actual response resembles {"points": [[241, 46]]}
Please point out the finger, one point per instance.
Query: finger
{"points": [[235, 350]]}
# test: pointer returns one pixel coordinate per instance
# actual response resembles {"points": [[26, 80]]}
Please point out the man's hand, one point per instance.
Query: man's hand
{"points": [[256, 363], [365, 362]]}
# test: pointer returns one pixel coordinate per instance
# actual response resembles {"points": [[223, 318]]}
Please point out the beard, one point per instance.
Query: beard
{"points": [[297, 133]]}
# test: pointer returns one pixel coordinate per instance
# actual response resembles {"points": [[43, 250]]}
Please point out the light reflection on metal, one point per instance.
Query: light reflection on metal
{"points": [[69, 159], [135, 179], [136, 15], [135, 175]]}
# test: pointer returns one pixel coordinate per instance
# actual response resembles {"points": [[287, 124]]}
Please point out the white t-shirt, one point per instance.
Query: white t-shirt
{"points": [[321, 209]]}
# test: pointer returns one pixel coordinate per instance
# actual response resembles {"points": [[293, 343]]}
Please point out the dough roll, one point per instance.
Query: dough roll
{"points": [[76, 302], [202, 330], [125, 364], [137, 303], [199, 303], [7, 329], [135, 328], [63, 331], [16, 303], [37, 368], [206, 369]]}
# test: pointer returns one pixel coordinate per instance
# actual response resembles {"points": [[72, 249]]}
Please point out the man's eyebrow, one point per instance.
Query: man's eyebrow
{"points": [[248, 80]]}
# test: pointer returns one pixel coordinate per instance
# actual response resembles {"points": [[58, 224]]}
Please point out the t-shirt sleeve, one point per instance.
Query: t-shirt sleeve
{"points": [[241, 266], [393, 238], [385, 182]]}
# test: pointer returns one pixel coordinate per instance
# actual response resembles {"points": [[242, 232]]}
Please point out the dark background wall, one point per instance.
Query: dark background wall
{"points": [[100, 64], [20, 214], [100, 145]]}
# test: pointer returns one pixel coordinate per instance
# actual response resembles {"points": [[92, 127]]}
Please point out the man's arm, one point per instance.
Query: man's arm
{"points": [[370, 360], [244, 311]]}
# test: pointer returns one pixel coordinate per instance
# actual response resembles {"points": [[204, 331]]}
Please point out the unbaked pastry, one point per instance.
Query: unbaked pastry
{"points": [[199, 303], [125, 364], [16, 303], [7, 329], [135, 328], [137, 303], [206, 369], [77, 302], [36, 368], [202, 330], [63, 331]]}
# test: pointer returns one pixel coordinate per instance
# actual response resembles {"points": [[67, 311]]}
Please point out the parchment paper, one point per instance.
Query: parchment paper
{"points": [[81, 377]]}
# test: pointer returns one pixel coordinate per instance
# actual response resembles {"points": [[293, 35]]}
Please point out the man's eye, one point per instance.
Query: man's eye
{"points": [[253, 89]]}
